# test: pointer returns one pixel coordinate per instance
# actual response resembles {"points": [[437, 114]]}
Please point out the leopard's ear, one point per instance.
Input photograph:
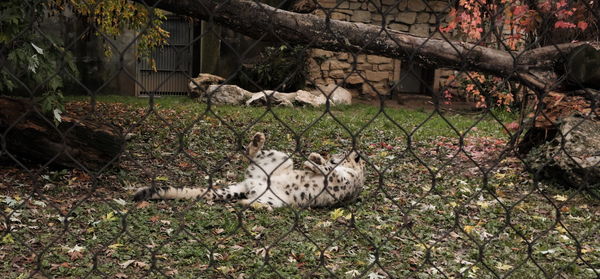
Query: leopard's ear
{"points": [[258, 139], [330, 159], [356, 157]]}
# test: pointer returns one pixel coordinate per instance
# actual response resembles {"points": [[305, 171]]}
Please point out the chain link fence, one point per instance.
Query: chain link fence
{"points": [[468, 174]]}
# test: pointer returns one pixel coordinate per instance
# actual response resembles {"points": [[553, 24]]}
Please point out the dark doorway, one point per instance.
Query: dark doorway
{"points": [[415, 79]]}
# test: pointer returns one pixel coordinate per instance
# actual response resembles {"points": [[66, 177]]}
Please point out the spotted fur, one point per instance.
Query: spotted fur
{"points": [[271, 181]]}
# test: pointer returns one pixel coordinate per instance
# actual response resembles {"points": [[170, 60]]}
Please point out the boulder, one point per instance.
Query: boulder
{"points": [[199, 84], [305, 97], [225, 94], [574, 158], [338, 95]]}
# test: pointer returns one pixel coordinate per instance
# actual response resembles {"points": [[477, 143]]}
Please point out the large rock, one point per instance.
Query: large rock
{"points": [[337, 95], [305, 97], [225, 94], [573, 159], [199, 84]]}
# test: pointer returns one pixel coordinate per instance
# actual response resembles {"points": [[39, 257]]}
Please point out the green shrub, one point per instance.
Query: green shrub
{"points": [[277, 68]]}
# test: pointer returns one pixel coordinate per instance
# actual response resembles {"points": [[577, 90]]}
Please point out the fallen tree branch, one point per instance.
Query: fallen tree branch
{"points": [[75, 142], [534, 68]]}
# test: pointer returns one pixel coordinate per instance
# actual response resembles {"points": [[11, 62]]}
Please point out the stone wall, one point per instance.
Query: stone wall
{"points": [[413, 16]]}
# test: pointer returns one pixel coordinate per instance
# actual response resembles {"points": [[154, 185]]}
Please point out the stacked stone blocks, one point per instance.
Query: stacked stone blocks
{"points": [[371, 74]]}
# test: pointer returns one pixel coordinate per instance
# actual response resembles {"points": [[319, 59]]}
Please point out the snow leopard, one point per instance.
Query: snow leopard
{"points": [[271, 181]]}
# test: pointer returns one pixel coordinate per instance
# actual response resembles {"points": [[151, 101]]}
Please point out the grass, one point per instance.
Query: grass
{"points": [[430, 209]]}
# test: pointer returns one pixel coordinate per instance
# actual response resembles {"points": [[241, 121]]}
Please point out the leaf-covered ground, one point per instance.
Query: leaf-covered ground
{"points": [[432, 208]]}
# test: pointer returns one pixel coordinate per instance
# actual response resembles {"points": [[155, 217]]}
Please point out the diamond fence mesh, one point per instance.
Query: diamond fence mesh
{"points": [[472, 169]]}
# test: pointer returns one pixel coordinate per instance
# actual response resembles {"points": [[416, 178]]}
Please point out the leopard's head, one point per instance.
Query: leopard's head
{"points": [[352, 161]]}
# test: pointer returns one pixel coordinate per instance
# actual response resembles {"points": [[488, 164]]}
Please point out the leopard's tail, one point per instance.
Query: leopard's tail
{"points": [[167, 193], [173, 193]]}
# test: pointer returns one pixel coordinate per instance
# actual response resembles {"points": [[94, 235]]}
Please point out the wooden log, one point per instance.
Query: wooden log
{"points": [[534, 67], [26, 133]]}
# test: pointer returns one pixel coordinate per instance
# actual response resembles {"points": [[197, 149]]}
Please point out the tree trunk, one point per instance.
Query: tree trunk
{"points": [[533, 68], [77, 143]]}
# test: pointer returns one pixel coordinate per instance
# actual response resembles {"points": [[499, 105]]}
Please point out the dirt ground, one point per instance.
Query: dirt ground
{"points": [[418, 102]]}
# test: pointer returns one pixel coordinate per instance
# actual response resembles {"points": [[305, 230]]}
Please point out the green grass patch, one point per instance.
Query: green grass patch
{"points": [[431, 208]]}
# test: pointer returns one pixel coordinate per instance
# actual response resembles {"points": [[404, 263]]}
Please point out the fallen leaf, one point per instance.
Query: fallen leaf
{"points": [[421, 246], [225, 269], [260, 251], [162, 178], [8, 239], [561, 229], [110, 217], [560, 198], [337, 213], [125, 264], [324, 224], [172, 272], [141, 264], [75, 255], [120, 202], [468, 228], [513, 126], [76, 248], [549, 251], [142, 204], [353, 273], [184, 164], [56, 266], [115, 246], [483, 204], [503, 266], [374, 275]]}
